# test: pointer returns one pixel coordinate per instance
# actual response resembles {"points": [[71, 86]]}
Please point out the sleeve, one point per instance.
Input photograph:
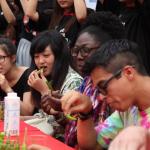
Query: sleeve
{"points": [[72, 82], [108, 130]]}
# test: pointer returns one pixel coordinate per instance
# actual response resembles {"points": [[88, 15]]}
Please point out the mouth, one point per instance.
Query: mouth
{"points": [[43, 68]]}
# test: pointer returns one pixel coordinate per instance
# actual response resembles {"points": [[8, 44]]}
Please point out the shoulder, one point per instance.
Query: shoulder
{"points": [[72, 81]]}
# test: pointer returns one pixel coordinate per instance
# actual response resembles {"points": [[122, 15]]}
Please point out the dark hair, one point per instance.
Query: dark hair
{"points": [[114, 55], [106, 21], [58, 13], [61, 53], [97, 33], [7, 46]]}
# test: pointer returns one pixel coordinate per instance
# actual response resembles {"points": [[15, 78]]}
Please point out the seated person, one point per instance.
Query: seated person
{"points": [[49, 53], [13, 77], [120, 76]]}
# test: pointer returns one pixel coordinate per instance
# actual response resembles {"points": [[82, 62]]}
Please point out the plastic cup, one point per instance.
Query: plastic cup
{"points": [[37, 139]]}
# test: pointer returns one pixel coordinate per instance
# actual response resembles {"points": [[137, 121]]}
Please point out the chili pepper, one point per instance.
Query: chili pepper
{"points": [[73, 118]]}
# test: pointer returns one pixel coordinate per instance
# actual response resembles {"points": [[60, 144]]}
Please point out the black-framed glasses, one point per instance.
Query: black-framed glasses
{"points": [[84, 51], [103, 85], [2, 58]]}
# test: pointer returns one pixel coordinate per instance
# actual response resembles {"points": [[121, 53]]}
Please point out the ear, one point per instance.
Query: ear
{"points": [[129, 72], [13, 58]]}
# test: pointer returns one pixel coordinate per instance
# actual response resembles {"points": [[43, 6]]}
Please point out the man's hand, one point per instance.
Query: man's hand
{"points": [[131, 138], [74, 102]]}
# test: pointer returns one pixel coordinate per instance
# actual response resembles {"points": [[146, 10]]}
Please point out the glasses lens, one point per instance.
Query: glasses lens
{"points": [[74, 51], [2, 58]]}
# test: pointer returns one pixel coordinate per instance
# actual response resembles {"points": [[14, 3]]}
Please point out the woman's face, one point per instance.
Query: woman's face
{"points": [[65, 3], [5, 62], [45, 60], [84, 47]]}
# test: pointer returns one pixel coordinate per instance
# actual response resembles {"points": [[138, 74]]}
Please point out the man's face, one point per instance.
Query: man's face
{"points": [[116, 88]]}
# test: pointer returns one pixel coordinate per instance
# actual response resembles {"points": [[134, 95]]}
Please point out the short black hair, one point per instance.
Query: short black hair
{"points": [[108, 22], [97, 33], [114, 55]]}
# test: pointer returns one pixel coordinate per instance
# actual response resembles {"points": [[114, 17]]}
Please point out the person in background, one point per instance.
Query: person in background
{"points": [[8, 19], [135, 16], [49, 53], [121, 78], [12, 77], [70, 15]]}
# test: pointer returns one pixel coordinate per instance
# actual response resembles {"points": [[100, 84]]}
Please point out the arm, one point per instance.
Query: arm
{"points": [[74, 102], [9, 16], [86, 134], [29, 8], [26, 106], [80, 10]]}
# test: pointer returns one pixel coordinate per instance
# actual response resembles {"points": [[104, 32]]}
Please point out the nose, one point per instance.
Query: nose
{"points": [[41, 60], [79, 56]]}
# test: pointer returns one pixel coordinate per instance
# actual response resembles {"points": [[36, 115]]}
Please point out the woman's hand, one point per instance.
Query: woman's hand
{"points": [[51, 100], [4, 85], [38, 81]]}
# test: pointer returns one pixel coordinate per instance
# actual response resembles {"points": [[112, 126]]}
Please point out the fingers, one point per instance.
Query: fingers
{"points": [[68, 100], [57, 94], [74, 102]]}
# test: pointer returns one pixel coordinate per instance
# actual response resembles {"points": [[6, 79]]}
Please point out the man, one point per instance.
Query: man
{"points": [[120, 75]]}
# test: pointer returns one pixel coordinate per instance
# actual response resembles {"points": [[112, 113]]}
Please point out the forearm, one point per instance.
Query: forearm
{"points": [[86, 135], [8, 14], [80, 10], [26, 105], [29, 7]]}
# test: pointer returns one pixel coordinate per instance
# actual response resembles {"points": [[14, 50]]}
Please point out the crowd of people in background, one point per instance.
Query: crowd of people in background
{"points": [[92, 63]]}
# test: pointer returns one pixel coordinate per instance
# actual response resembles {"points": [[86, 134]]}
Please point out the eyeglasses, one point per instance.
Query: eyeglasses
{"points": [[84, 51], [103, 85], [2, 58]]}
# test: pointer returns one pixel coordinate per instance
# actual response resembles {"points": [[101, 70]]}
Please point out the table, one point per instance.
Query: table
{"points": [[49, 141]]}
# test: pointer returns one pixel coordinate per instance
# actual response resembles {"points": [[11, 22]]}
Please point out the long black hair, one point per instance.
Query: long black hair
{"points": [[61, 53]]}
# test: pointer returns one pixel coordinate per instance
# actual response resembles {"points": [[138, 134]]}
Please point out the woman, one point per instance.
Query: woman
{"points": [[70, 14], [49, 52], [12, 77]]}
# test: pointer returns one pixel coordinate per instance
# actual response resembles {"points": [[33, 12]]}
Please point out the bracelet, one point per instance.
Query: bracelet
{"points": [[85, 116]]}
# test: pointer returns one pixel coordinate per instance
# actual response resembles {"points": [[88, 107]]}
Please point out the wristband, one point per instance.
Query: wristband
{"points": [[85, 116]]}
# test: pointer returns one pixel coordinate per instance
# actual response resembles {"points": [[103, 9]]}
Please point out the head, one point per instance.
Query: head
{"points": [[88, 41], [7, 55], [65, 4], [114, 69], [108, 22], [49, 51], [99, 27]]}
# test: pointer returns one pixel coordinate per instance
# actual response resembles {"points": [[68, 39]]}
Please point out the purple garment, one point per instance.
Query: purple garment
{"points": [[100, 113]]}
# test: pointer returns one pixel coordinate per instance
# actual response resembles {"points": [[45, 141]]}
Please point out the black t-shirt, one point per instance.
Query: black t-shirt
{"points": [[137, 26], [20, 87], [44, 9], [71, 33], [3, 23]]}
